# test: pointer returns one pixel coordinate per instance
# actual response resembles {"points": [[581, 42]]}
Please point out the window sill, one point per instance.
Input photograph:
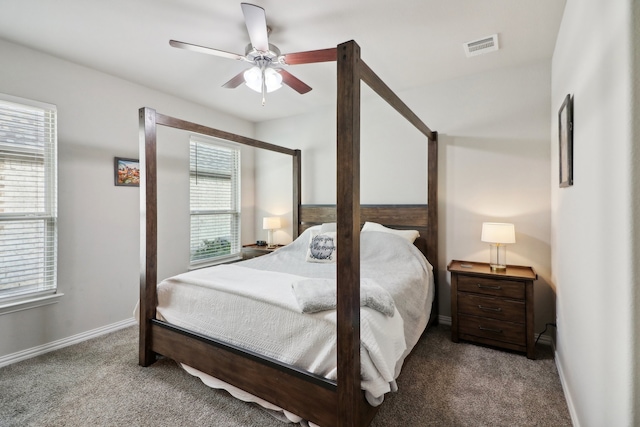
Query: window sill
{"points": [[28, 303], [227, 260]]}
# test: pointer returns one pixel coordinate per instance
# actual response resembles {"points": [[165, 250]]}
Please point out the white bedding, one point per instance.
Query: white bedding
{"points": [[251, 304]]}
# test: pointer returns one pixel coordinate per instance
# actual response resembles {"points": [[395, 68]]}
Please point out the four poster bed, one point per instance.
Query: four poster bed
{"points": [[339, 401]]}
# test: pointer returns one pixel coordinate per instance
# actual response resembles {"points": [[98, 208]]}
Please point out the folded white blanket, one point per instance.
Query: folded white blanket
{"points": [[314, 295]]}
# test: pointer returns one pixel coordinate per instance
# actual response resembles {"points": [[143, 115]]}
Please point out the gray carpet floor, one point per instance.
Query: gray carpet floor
{"points": [[99, 383]]}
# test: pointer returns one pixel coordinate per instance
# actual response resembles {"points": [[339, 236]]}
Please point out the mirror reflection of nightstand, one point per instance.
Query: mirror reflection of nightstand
{"points": [[253, 250]]}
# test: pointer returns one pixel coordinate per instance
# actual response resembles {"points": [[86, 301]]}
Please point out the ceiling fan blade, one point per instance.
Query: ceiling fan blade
{"points": [[256, 20], [294, 82], [207, 50], [311, 56], [235, 81]]}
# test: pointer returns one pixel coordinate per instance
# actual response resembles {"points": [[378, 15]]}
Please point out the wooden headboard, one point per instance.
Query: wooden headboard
{"points": [[403, 217]]}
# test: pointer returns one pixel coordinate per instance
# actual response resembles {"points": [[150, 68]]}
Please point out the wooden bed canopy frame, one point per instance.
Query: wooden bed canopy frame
{"points": [[310, 396]]}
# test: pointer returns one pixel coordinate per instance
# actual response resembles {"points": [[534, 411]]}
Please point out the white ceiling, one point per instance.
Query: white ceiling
{"points": [[408, 43]]}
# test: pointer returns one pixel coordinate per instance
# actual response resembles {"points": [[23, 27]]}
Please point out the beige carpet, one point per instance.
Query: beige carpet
{"points": [[98, 383]]}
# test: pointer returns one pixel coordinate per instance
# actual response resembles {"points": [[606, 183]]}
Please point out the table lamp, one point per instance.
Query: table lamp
{"points": [[271, 223], [498, 234]]}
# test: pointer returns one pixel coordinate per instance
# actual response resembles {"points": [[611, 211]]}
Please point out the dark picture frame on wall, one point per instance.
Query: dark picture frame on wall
{"points": [[565, 128], [126, 172]]}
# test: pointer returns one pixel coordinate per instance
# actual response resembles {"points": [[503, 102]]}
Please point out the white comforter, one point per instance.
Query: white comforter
{"points": [[251, 304]]}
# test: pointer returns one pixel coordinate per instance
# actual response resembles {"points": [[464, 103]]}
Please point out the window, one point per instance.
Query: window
{"points": [[28, 199], [214, 199]]}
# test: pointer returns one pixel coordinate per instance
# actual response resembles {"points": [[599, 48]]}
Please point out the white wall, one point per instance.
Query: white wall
{"points": [[494, 165], [593, 262], [98, 268]]}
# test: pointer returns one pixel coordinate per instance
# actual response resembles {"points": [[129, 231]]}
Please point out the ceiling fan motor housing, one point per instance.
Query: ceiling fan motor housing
{"points": [[253, 55]]}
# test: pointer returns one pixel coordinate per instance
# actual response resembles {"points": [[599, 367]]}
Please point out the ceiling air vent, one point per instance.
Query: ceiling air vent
{"points": [[479, 47]]}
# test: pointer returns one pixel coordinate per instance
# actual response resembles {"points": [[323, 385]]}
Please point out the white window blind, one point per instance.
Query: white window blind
{"points": [[28, 197], [214, 200]]}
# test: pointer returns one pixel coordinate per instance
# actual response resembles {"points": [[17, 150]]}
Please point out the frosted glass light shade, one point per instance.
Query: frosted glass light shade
{"points": [[253, 79], [273, 79]]}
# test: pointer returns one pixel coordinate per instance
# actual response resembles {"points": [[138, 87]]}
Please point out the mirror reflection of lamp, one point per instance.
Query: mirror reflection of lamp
{"points": [[498, 234], [271, 223]]}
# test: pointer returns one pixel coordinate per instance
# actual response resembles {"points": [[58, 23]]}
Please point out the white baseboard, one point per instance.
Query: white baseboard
{"points": [[567, 395], [444, 320], [65, 342], [545, 339]]}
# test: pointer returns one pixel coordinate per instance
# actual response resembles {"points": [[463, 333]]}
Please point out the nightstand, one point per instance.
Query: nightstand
{"points": [[252, 251], [493, 307]]}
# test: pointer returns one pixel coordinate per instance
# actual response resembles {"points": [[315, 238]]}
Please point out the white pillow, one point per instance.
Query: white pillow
{"points": [[409, 235], [329, 227], [322, 247]]}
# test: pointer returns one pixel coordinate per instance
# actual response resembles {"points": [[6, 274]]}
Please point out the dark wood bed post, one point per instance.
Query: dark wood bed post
{"points": [[297, 193], [148, 232], [348, 227], [432, 201]]}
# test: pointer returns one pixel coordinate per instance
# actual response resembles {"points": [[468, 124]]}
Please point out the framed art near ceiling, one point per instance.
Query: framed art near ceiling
{"points": [[565, 121], [126, 172]]}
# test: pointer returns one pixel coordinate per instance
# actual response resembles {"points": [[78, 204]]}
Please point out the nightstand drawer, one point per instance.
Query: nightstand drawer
{"points": [[248, 253], [491, 307], [486, 286], [252, 251], [492, 329]]}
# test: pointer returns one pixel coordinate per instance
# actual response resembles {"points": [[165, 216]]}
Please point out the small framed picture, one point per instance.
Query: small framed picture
{"points": [[565, 123], [126, 172]]}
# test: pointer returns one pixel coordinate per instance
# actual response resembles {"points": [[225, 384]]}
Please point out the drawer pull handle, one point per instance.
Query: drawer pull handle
{"points": [[497, 288], [496, 309], [497, 331]]}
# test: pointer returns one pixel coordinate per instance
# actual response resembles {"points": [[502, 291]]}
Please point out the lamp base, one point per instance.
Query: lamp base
{"points": [[270, 244], [498, 257]]}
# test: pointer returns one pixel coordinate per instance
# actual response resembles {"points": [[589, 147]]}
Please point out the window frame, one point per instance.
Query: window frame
{"points": [[45, 290], [235, 252]]}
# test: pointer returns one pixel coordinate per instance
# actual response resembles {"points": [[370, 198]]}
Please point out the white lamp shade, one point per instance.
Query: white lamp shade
{"points": [[498, 232], [271, 223]]}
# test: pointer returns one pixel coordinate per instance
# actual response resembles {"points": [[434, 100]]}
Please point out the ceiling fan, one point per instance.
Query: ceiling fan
{"points": [[267, 73]]}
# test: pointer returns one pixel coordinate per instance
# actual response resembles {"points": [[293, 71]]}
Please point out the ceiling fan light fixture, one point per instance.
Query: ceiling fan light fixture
{"points": [[253, 79], [272, 79]]}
